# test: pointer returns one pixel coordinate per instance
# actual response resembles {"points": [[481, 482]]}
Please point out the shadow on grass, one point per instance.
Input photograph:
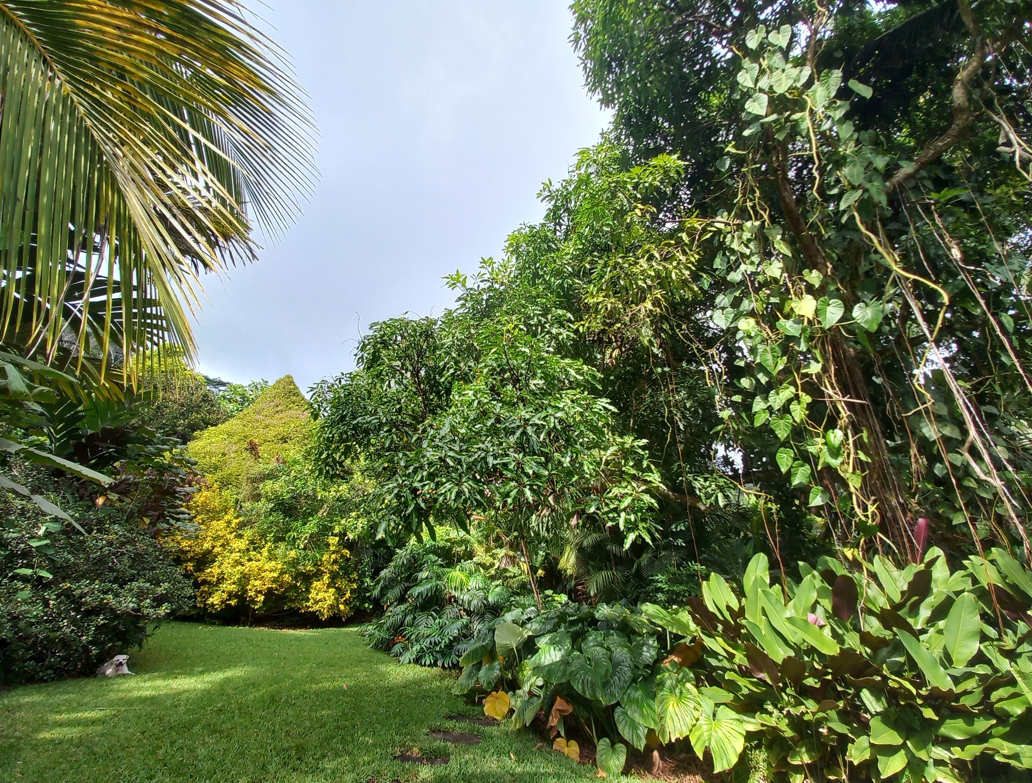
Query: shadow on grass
{"points": [[237, 704]]}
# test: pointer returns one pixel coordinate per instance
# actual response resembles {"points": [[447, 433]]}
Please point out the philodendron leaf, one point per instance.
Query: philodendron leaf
{"points": [[721, 730], [830, 311], [962, 631], [508, 638], [757, 104], [573, 751], [868, 315], [611, 758], [785, 458], [632, 731], [678, 706], [496, 705]]}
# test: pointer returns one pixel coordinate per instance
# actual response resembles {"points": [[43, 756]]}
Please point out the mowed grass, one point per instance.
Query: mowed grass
{"points": [[211, 704]]}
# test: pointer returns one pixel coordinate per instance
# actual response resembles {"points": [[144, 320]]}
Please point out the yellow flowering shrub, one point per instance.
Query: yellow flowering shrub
{"points": [[239, 571], [331, 592]]}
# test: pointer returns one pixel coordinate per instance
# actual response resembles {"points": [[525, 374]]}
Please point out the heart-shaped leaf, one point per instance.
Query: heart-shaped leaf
{"points": [[611, 757], [830, 311], [757, 104], [497, 704], [508, 638], [868, 315]]}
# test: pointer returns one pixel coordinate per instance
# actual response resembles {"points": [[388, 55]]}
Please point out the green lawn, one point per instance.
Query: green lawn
{"points": [[212, 704]]}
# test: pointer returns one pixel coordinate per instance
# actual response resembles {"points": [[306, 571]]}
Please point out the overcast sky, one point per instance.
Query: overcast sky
{"points": [[437, 121]]}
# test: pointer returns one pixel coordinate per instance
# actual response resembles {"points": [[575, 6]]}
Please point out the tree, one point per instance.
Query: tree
{"points": [[135, 138], [858, 176]]}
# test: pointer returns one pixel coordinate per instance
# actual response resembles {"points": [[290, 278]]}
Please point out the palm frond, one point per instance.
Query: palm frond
{"points": [[136, 137]]}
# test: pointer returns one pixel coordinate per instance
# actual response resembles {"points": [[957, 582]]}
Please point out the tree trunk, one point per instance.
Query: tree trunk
{"points": [[881, 487]]}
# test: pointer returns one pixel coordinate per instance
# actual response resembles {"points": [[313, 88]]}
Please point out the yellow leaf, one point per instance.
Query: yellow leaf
{"points": [[599, 773], [573, 751], [496, 705], [559, 744]]}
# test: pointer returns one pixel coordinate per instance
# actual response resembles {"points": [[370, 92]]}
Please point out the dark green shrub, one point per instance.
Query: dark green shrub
{"points": [[69, 601]]}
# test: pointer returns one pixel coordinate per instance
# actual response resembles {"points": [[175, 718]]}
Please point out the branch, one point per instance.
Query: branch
{"points": [[677, 497], [963, 116]]}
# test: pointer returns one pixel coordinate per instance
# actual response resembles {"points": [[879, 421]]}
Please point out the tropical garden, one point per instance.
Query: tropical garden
{"points": [[722, 469]]}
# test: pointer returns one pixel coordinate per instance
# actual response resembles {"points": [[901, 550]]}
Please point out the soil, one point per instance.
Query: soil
{"points": [[456, 737]]}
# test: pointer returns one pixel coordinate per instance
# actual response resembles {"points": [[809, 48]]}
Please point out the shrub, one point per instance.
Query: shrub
{"points": [[437, 595], [69, 601], [275, 427], [915, 675], [255, 571]]}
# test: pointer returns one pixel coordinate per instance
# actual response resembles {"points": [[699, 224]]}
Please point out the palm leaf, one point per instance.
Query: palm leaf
{"points": [[136, 138]]}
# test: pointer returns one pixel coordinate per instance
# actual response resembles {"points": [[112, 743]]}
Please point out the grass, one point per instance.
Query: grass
{"points": [[211, 704]]}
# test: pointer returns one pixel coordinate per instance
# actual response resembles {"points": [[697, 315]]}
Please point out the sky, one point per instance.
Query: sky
{"points": [[437, 122]]}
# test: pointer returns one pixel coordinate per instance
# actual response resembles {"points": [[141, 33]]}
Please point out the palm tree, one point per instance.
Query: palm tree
{"points": [[138, 140]]}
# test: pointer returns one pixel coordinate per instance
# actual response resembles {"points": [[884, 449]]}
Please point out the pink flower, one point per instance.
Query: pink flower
{"points": [[815, 620]]}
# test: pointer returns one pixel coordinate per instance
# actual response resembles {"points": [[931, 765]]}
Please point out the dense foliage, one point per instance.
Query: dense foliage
{"points": [[70, 600], [778, 314], [438, 595], [274, 428], [919, 674], [270, 537]]}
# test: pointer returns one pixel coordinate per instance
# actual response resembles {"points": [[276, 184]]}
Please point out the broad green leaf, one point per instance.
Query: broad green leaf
{"points": [[757, 104], [868, 315], [679, 623], [634, 732], [611, 758], [720, 730], [508, 638], [933, 672], [962, 631], [964, 727], [805, 307], [622, 672], [782, 425], [882, 733], [818, 497], [890, 762], [813, 277], [489, 674], [678, 705], [806, 632], [830, 311], [860, 89], [800, 473], [526, 711], [785, 458], [640, 707], [1016, 574]]}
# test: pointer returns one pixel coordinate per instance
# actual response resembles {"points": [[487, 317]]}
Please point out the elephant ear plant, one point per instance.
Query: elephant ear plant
{"points": [[920, 674]]}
